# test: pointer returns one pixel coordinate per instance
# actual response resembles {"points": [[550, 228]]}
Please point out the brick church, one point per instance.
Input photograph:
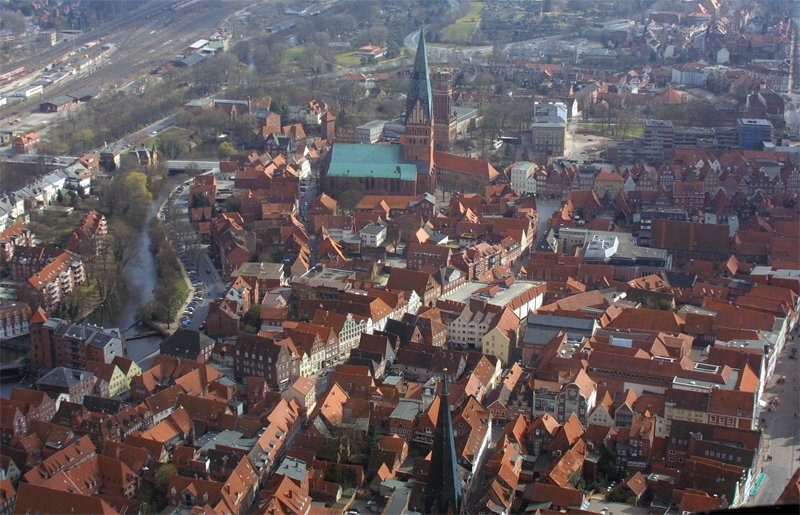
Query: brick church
{"points": [[409, 168]]}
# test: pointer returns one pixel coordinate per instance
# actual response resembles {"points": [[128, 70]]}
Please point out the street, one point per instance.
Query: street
{"points": [[204, 271], [782, 433], [544, 210]]}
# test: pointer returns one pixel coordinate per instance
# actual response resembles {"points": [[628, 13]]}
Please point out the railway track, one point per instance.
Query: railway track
{"points": [[140, 50]]}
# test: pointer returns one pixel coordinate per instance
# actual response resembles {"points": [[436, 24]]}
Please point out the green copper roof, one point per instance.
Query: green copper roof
{"points": [[378, 161], [420, 79]]}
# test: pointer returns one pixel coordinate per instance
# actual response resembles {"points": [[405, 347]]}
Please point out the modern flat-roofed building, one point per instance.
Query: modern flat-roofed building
{"points": [[613, 248], [549, 129], [370, 132], [753, 133], [521, 297], [659, 139]]}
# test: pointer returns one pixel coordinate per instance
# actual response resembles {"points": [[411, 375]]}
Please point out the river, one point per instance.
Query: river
{"points": [[138, 288], [120, 310]]}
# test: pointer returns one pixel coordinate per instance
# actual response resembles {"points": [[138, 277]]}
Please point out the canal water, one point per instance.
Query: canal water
{"points": [[138, 288], [120, 310]]}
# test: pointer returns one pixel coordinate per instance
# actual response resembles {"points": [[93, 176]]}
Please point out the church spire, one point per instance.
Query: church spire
{"points": [[443, 488], [420, 80]]}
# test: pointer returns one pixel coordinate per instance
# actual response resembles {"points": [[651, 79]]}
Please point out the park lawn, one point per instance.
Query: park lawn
{"points": [[462, 28], [53, 229], [291, 55], [633, 130], [179, 132], [182, 290], [347, 59], [90, 297]]}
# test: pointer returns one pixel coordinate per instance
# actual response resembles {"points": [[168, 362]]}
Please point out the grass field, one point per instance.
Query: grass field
{"points": [[632, 130], [461, 30], [291, 56], [347, 59], [179, 133]]}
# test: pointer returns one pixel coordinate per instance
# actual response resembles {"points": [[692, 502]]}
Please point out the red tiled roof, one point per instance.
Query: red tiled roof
{"points": [[38, 499], [791, 494], [465, 165], [556, 495]]}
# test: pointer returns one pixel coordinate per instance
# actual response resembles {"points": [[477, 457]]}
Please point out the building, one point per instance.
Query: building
{"points": [[659, 139], [549, 129], [468, 329], [25, 143], [370, 132], [427, 256], [412, 167], [521, 297], [690, 240], [502, 338], [417, 140], [522, 178], [464, 174], [62, 380], [445, 117], [375, 168], [608, 184], [370, 51], [15, 318], [58, 104], [90, 235], [577, 397], [405, 169], [276, 361], [57, 342], [373, 235], [754, 132], [188, 344], [619, 249]]}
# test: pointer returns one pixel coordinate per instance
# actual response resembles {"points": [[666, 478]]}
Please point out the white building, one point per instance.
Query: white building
{"points": [[467, 331], [522, 178], [549, 129], [30, 91], [373, 235], [370, 132]]}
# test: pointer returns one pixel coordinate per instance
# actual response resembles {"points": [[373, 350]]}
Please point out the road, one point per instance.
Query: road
{"points": [[214, 285], [412, 40], [544, 210], [782, 434]]}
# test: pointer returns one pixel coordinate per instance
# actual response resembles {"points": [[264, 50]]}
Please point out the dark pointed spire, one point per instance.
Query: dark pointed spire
{"points": [[443, 489], [420, 80]]}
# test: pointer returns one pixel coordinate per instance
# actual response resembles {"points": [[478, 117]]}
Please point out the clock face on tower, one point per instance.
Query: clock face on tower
{"points": [[572, 394]]}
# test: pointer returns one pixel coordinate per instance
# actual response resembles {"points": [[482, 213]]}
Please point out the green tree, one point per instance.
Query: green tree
{"points": [[163, 475], [127, 198], [349, 198], [170, 299], [199, 200], [74, 199], [226, 149], [251, 321], [171, 145]]}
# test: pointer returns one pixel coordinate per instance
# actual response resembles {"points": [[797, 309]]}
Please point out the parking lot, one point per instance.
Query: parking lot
{"points": [[206, 282]]}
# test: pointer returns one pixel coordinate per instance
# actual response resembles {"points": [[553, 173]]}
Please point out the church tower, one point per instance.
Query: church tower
{"points": [[442, 492], [417, 141], [444, 118]]}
